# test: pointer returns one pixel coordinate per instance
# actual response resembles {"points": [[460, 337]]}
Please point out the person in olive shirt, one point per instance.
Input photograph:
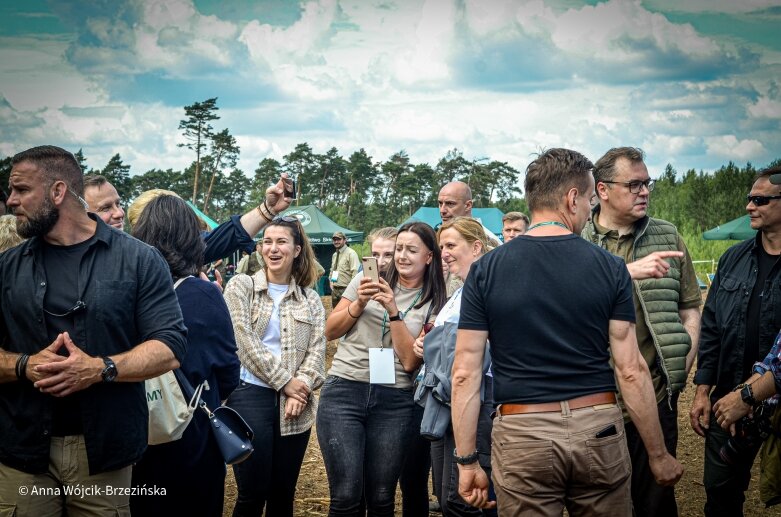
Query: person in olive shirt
{"points": [[666, 297], [344, 266]]}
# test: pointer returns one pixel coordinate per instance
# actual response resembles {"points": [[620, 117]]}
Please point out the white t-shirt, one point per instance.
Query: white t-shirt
{"points": [[272, 339]]}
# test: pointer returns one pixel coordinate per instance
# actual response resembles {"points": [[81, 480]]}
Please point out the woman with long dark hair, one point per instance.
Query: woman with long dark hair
{"points": [[279, 325], [365, 422], [190, 469]]}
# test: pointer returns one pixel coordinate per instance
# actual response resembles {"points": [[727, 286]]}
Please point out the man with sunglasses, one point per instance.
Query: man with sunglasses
{"points": [[344, 266], [666, 298], [740, 321], [87, 313]]}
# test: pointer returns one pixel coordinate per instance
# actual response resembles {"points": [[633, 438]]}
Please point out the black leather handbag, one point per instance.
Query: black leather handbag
{"points": [[231, 432]]}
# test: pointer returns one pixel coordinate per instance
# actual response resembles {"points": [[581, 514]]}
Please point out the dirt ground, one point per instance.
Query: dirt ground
{"points": [[312, 491]]}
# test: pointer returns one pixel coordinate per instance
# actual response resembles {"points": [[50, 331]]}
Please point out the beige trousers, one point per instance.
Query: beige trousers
{"points": [[543, 462], [67, 485]]}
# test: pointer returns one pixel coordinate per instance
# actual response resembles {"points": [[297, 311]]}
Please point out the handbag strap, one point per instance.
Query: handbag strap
{"points": [[181, 378]]}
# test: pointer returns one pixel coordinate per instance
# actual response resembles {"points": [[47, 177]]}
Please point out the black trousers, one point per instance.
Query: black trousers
{"points": [[725, 485], [649, 498], [414, 476]]}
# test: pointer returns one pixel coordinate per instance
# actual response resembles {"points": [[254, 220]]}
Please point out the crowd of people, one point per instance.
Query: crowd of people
{"points": [[524, 374]]}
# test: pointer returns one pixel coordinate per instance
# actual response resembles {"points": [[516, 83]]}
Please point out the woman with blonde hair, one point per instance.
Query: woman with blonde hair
{"points": [[279, 326], [463, 242]]}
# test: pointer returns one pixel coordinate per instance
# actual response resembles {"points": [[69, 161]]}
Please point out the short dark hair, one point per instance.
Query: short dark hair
{"points": [[56, 164], [552, 174], [605, 168], [515, 216], [433, 281], [304, 265], [768, 171], [168, 224], [94, 180]]}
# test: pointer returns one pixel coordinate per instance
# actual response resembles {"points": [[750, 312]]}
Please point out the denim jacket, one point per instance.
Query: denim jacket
{"points": [[723, 327], [126, 286], [302, 318]]}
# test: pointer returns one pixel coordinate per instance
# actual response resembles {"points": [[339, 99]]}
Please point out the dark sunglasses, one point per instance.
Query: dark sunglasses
{"points": [[427, 327], [761, 200], [285, 219]]}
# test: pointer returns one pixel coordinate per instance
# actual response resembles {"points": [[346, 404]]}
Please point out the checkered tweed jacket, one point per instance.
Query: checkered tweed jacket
{"points": [[302, 318]]}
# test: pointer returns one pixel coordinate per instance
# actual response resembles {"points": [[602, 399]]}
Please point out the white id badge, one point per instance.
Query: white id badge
{"points": [[381, 367], [334, 276]]}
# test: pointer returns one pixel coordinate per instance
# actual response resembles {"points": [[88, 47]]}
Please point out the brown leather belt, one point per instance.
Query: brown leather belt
{"points": [[595, 399]]}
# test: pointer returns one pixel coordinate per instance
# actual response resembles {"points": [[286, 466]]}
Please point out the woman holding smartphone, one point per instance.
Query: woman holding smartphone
{"points": [[364, 425], [463, 242]]}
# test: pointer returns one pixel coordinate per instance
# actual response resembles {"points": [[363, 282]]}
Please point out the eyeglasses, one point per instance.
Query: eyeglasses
{"points": [[285, 219], [337, 239], [761, 200], [428, 327], [635, 186], [77, 307]]}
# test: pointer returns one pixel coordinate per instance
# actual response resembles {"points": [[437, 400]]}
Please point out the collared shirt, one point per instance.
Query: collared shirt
{"points": [[302, 338], [690, 298], [723, 329], [772, 363], [127, 288], [345, 261]]}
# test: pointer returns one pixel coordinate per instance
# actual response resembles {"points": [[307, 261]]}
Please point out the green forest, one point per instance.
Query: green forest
{"points": [[363, 192]]}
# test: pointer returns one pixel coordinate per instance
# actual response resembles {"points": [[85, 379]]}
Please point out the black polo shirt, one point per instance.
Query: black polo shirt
{"points": [[126, 286]]}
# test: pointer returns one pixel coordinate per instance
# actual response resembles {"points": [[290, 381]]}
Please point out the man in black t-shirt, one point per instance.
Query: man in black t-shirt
{"points": [[740, 321], [558, 437]]}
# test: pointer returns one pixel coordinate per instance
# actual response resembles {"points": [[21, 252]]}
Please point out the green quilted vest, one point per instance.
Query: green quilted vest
{"points": [[659, 298]]}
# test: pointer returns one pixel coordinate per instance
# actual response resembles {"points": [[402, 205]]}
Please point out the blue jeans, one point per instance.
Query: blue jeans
{"points": [[364, 431], [269, 476]]}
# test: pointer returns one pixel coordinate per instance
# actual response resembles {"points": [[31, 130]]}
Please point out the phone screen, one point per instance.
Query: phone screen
{"points": [[290, 188], [370, 269]]}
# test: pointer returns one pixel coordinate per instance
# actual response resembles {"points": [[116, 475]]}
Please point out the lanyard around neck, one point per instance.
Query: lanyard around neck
{"points": [[404, 313]]}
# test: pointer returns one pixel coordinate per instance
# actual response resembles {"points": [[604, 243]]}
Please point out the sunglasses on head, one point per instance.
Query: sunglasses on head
{"points": [[285, 219], [761, 200]]}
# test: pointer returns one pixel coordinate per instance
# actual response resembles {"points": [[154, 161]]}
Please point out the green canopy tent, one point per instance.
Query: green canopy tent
{"points": [[491, 218], [211, 223], [738, 229]]}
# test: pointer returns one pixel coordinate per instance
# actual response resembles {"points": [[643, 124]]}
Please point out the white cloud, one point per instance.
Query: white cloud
{"points": [[730, 147], [765, 108]]}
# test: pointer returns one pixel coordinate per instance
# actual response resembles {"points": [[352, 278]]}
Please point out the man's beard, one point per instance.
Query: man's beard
{"points": [[39, 223]]}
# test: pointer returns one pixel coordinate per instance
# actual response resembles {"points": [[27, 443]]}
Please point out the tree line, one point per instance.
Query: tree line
{"points": [[361, 193]]}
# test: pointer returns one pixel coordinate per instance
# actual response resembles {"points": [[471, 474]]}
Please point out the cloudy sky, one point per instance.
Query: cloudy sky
{"points": [[693, 82]]}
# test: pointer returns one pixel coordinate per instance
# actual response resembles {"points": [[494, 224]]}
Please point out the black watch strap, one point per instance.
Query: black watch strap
{"points": [[398, 317], [747, 394], [109, 373], [465, 460]]}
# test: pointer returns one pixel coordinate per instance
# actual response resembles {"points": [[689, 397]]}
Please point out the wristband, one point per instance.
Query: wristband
{"points": [[272, 213], [465, 460], [21, 366], [350, 313], [264, 216]]}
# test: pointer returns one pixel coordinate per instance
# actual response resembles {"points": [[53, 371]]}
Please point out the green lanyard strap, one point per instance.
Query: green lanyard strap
{"points": [[404, 313]]}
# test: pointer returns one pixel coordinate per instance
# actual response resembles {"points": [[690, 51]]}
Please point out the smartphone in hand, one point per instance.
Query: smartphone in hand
{"points": [[370, 268], [290, 188]]}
